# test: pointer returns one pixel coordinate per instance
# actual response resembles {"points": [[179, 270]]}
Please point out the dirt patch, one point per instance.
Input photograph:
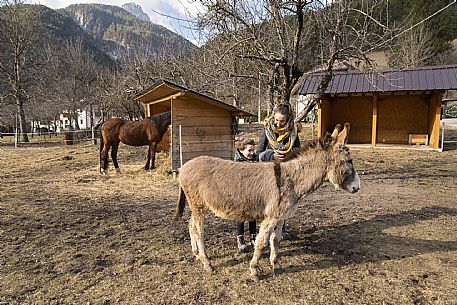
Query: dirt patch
{"points": [[69, 235]]}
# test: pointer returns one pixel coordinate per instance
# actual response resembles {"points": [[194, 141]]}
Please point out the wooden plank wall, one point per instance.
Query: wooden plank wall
{"points": [[158, 108], [357, 110], [205, 130], [398, 116]]}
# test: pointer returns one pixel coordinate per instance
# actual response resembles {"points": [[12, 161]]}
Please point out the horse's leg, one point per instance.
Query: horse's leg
{"points": [[198, 223], [275, 238], [104, 159], [151, 155], [193, 236], [114, 150], [266, 227]]}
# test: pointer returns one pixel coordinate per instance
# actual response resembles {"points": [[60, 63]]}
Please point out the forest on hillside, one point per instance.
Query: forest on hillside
{"points": [[254, 53]]}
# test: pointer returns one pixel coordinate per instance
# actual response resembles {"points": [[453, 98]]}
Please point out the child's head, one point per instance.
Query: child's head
{"points": [[247, 149], [281, 115]]}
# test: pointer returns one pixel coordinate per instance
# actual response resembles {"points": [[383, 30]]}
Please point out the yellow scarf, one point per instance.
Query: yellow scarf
{"points": [[276, 136]]}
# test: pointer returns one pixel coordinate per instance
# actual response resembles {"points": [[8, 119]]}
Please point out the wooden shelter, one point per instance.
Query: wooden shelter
{"points": [[386, 108], [200, 125]]}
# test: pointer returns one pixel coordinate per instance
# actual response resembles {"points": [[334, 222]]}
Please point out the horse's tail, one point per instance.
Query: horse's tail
{"points": [[101, 143], [180, 204]]}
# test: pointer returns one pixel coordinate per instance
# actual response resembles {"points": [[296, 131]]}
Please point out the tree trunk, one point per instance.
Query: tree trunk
{"points": [[22, 122]]}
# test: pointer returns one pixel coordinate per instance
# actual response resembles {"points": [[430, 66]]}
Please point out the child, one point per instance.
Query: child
{"points": [[246, 153]]}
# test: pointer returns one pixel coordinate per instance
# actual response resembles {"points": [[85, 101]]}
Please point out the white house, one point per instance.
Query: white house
{"points": [[64, 123]]}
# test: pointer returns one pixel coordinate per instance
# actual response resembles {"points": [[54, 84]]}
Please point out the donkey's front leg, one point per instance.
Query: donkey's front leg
{"points": [[266, 227], [151, 155], [275, 238]]}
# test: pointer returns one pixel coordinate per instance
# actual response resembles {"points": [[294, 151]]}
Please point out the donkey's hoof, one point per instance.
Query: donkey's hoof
{"points": [[255, 278], [118, 170], [209, 269], [254, 275], [275, 264], [276, 270], [102, 171]]}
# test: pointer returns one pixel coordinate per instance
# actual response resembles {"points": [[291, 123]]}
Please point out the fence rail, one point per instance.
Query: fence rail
{"points": [[49, 137]]}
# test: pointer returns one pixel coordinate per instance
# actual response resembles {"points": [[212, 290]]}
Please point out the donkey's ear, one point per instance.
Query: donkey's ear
{"points": [[342, 138], [336, 131]]}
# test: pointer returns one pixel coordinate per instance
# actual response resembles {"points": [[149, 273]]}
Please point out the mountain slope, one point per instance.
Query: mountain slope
{"points": [[60, 27], [136, 11], [117, 30], [51, 28]]}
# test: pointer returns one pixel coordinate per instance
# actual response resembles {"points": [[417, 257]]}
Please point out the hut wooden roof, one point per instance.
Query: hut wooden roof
{"points": [[164, 90], [414, 79]]}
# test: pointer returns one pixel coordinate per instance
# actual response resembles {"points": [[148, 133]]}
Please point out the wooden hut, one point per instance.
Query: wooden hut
{"points": [[200, 125], [397, 107]]}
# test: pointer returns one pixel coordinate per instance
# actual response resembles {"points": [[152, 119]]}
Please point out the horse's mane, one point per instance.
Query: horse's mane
{"points": [[309, 145], [159, 118]]}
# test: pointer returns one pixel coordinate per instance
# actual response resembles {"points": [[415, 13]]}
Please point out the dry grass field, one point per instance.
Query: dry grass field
{"points": [[71, 236]]}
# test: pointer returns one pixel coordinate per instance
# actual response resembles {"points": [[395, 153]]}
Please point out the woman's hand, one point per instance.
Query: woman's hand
{"points": [[278, 157]]}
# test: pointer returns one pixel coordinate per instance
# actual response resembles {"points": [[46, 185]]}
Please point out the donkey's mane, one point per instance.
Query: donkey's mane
{"points": [[308, 146]]}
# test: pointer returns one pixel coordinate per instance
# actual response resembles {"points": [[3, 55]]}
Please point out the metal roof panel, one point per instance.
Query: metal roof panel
{"points": [[415, 79], [430, 79], [444, 77], [452, 73]]}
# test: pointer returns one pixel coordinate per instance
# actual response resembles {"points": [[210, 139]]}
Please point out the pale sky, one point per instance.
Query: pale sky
{"points": [[175, 8]]}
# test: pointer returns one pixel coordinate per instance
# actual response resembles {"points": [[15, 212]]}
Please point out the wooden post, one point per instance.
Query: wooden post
{"points": [[319, 119], [16, 135], [94, 140], [435, 132], [374, 123], [146, 110], [180, 145], [443, 126], [313, 131]]}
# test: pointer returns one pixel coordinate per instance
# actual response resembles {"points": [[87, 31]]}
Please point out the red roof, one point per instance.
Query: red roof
{"points": [[414, 79]]}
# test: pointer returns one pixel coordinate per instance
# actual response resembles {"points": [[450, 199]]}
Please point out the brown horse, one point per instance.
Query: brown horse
{"points": [[135, 133], [267, 191]]}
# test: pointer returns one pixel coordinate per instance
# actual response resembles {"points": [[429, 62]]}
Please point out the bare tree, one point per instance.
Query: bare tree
{"points": [[137, 70], [20, 59], [77, 74], [286, 38], [348, 31], [413, 49], [269, 32]]}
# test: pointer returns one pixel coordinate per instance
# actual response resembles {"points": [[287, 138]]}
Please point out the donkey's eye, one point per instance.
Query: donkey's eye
{"points": [[349, 161]]}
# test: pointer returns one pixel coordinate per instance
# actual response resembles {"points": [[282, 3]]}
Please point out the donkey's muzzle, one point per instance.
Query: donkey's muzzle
{"points": [[354, 189]]}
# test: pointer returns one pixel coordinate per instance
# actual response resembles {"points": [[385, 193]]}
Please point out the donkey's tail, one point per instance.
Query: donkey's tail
{"points": [[180, 204]]}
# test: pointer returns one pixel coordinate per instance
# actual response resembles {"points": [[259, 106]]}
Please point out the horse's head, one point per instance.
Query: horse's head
{"points": [[341, 172]]}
